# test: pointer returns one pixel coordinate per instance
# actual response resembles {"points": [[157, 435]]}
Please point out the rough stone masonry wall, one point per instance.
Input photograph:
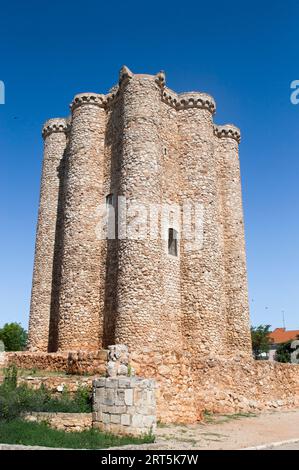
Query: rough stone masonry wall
{"points": [[188, 386]]}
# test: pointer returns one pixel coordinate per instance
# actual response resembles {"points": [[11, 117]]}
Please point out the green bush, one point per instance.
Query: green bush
{"points": [[15, 400], [284, 352], [13, 336], [260, 340], [11, 376]]}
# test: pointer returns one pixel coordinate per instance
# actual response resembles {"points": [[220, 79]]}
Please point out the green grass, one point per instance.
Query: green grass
{"points": [[40, 434], [211, 418]]}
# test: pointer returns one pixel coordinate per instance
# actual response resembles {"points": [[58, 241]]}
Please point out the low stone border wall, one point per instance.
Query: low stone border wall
{"points": [[57, 384], [56, 362], [73, 362], [68, 422]]}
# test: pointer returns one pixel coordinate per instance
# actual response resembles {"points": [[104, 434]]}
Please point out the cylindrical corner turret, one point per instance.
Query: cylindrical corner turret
{"points": [[140, 319], [55, 140], [235, 276], [202, 287], [80, 322]]}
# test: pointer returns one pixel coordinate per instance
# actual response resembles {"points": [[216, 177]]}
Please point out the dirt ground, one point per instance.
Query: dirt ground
{"points": [[229, 432]]}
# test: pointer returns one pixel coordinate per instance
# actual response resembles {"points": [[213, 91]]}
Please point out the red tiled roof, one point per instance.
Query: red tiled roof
{"points": [[281, 335]]}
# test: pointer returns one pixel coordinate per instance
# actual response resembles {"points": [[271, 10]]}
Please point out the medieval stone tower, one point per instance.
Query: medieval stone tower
{"points": [[141, 143]]}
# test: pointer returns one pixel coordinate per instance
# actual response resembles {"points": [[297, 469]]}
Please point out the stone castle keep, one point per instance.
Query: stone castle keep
{"points": [[170, 308], [151, 145]]}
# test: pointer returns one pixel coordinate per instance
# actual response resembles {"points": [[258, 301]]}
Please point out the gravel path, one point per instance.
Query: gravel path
{"points": [[229, 432]]}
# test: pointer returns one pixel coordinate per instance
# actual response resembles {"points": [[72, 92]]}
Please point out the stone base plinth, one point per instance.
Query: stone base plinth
{"points": [[124, 405]]}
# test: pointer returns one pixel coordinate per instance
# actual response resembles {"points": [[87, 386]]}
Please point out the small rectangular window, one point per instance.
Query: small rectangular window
{"points": [[109, 200], [172, 242], [110, 233]]}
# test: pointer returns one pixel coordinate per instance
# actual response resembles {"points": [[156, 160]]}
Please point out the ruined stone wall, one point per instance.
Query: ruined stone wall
{"points": [[80, 362], [57, 384], [187, 387]]}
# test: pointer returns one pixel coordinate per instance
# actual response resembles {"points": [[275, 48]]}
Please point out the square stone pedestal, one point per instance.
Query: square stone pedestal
{"points": [[124, 405]]}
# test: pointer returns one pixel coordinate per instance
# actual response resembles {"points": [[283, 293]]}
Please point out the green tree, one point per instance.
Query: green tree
{"points": [[284, 351], [13, 336], [260, 340]]}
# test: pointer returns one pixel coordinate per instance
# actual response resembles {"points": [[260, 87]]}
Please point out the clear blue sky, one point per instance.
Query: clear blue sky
{"points": [[243, 53]]}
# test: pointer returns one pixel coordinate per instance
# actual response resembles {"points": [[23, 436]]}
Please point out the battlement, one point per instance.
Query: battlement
{"points": [[181, 101], [55, 125], [90, 99], [228, 131]]}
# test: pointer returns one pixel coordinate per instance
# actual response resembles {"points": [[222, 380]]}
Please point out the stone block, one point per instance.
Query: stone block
{"points": [[122, 370], [131, 410], [100, 393], [111, 382], [109, 398], [137, 395], [129, 397], [125, 420], [115, 419], [149, 397], [137, 421], [118, 409], [120, 397], [101, 382], [106, 418], [124, 382]]}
